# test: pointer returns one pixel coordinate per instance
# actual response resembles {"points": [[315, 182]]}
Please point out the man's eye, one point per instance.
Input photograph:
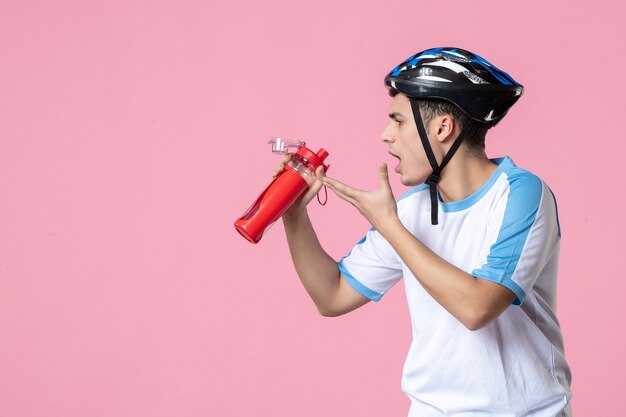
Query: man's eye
{"points": [[399, 122]]}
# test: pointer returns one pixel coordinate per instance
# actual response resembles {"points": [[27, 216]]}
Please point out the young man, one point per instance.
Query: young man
{"points": [[476, 243]]}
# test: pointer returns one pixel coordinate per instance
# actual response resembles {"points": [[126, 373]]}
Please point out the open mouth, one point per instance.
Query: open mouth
{"points": [[397, 169]]}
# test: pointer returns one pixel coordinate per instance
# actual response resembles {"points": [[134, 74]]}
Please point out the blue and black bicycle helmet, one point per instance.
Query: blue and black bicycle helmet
{"points": [[482, 91]]}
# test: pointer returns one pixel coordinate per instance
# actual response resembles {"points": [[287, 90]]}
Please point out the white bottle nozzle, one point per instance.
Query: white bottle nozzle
{"points": [[280, 145]]}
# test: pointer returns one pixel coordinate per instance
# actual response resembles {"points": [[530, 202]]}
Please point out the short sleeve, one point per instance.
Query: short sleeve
{"points": [[372, 267], [527, 237]]}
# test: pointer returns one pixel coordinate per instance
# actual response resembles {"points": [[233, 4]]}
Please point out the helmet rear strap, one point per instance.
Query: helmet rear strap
{"points": [[435, 176]]}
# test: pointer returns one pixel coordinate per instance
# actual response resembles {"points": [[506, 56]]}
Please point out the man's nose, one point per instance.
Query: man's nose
{"points": [[386, 135]]}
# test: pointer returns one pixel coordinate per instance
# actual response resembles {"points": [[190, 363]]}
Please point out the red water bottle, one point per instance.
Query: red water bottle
{"points": [[291, 183]]}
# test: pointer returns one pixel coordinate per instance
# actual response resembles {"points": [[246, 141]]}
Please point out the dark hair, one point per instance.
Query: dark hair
{"points": [[476, 131]]}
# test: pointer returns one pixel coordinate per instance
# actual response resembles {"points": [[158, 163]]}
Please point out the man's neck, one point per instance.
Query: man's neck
{"points": [[464, 175]]}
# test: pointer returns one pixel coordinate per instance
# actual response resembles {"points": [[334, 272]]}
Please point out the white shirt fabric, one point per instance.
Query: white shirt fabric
{"points": [[507, 232]]}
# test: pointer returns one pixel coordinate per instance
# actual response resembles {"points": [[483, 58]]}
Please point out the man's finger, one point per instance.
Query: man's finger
{"points": [[319, 173], [341, 187], [383, 177], [342, 195], [319, 180], [342, 190]]}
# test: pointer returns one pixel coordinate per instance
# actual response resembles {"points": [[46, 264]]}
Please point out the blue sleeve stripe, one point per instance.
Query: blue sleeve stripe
{"points": [[354, 283], [520, 294], [525, 194], [556, 209]]}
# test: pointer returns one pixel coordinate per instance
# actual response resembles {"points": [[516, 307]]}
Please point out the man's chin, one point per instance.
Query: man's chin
{"points": [[409, 182]]}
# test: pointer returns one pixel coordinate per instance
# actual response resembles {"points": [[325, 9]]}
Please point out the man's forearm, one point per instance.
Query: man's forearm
{"points": [[475, 302], [317, 270]]}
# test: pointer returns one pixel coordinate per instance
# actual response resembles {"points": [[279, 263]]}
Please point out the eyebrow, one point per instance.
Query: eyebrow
{"points": [[395, 115]]}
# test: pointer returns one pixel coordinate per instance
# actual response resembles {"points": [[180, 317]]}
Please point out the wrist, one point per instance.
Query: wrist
{"points": [[390, 228], [294, 213]]}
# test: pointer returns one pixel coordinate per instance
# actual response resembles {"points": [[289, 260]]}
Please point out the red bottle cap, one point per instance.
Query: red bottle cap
{"points": [[315, 159]]}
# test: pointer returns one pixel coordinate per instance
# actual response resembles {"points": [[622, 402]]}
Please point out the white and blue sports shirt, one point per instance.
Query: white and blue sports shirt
{"points": [[507, 232]]}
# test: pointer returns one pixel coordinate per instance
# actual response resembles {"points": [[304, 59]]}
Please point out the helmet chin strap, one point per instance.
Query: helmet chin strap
{"points": [[435, 176]]}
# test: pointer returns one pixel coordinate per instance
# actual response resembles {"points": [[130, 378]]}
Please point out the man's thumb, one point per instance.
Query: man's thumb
{"points": [[383, 176]]}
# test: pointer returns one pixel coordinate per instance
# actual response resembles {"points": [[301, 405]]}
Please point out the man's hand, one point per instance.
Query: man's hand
{"points": [[302, 202], [377, 206]]}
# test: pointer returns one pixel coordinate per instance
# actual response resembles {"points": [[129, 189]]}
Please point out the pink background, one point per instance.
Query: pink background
{"points": [[132, 135]]}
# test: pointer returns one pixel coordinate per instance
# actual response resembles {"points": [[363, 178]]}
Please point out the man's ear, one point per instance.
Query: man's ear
{"points": [[445, 128]]}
